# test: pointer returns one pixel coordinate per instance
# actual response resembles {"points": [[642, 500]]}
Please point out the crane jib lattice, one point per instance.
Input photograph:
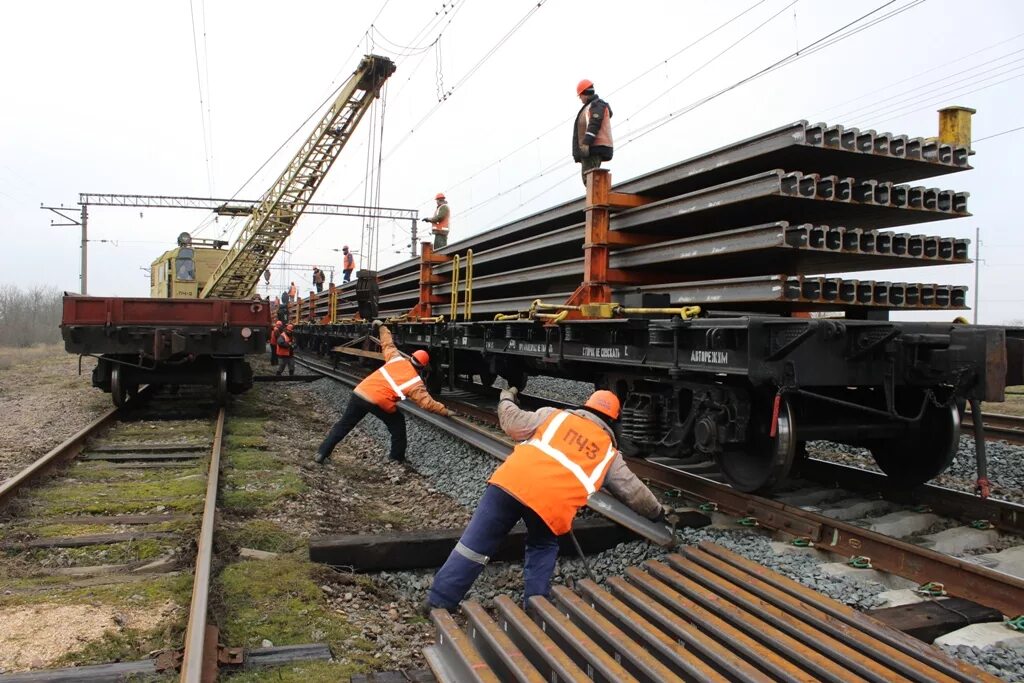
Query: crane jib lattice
{"points": [[274, 217]]}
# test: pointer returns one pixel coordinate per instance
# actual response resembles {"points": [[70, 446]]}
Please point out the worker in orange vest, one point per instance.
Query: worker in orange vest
{"points": [[274, 332], [348, 264], [397, 380], [293, 293], [564, 457], [592, 130], [286, 350], [440, 221]]}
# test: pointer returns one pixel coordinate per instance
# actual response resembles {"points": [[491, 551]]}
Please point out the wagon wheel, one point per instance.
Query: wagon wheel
{"points": [[926, 450], [763, 461], [118, 387], [222, 387]]}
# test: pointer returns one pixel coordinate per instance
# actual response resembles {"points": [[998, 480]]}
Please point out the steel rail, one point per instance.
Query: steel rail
{"points": [[810, 147], [63, 452], [1009, 428], [199, 662], [960, 577], [500, 447]]}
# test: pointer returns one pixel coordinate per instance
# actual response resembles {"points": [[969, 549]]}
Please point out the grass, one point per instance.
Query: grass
{"points": [[308, 672], [172, 491], [265, 535], [252, 459], [153, 594], [256, 491], [109, 553], [245, 426], [280, 600]]}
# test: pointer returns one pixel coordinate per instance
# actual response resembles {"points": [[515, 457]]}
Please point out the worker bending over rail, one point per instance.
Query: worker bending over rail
{"points": [[398, 379], [569, 455]]}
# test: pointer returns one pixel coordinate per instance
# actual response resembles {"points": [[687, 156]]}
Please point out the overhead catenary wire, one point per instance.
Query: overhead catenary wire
{"points": [[199, 84]]}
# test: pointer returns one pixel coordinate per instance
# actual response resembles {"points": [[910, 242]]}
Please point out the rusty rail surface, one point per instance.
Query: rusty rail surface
{"points": [[961, 578], [199, 662], [1009, 428], [704, 614]]}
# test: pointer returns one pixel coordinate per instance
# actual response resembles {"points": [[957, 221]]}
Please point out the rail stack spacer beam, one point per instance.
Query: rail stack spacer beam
{"points": [[599, 240], [427, 300]]}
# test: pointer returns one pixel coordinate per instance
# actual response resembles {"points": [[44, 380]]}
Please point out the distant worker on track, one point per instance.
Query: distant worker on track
{"points": [[286, 350], [348, 264], [592, 131], [564, 457], [318, 279], [440, 221], [274, 332], [293, 292], [397, 380]]}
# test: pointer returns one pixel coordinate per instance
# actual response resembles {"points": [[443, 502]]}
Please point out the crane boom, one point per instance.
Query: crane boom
{"points": [[274, 217]]}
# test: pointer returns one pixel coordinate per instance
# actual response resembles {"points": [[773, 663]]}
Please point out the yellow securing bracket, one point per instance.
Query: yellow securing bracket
{"points": [[455, 286]]}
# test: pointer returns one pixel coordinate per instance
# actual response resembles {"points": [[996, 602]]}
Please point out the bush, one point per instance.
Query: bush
{"points": [[29, 317]]}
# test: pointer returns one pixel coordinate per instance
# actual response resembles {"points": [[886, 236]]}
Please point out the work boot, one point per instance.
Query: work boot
{"points": [[320, 458], [425, 608]]}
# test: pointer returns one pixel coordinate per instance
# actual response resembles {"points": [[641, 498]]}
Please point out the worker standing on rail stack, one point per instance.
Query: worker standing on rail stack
{"points": [[592, 130], [318, 279], [564, 457], [348, 264], [286, 350], [397, 380], [274, 332], [440, 221], [293, 293]]}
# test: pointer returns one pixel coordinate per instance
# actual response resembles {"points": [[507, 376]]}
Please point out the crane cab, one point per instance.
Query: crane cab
{"points": [[182, 272]]}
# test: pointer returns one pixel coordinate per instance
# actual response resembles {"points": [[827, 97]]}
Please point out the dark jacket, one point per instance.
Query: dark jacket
{"points": [[600, 114]]}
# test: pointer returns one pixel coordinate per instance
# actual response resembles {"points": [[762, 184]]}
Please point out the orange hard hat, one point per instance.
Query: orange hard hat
{"points": [[421, 357], [585, 84], [604, 402], [279, 324], [439, 195]]}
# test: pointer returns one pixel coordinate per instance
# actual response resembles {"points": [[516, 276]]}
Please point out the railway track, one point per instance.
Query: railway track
{"points": [[917, 565], [130, 514], [1009, 428]]}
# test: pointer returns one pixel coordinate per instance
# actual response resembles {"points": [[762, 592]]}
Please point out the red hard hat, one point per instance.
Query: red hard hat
{"points": [[585, 84], [279, 324], [439, 195], [289, 327], [421, 357], [604, 402]]}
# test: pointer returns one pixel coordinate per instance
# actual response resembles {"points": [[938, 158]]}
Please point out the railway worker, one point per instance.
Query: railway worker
{"points": [[274, 332], [565, 456], [440, 221], [286, 350], [348, 264], [398, 379], [318, 279], [592, 130], [282, 308], [293, 293]]}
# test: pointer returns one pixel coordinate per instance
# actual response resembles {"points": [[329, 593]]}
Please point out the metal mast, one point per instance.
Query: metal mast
{"points": [[273, 219]]}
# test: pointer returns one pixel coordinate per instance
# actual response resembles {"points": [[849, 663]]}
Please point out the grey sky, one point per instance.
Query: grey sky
{"points": [[105, 97]]}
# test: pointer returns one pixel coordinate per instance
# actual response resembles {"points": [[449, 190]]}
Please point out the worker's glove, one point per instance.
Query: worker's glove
{"points": [[664, 513], [585, 150], [510, 394], [377, 324]]}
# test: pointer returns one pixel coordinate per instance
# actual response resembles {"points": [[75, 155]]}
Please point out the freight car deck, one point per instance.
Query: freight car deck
{"points": [[165, 341]]}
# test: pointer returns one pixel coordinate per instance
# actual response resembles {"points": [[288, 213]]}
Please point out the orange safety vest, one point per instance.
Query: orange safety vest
{"points": [[386, 386], [556, 471], [442, 225], [292, 293], [284, 351], [604, 133], [350, 262]]}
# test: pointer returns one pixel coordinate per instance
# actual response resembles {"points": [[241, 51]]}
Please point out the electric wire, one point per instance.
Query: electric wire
{"points": [[996, 135], [847, 30], [202, 110], [629, 82]]}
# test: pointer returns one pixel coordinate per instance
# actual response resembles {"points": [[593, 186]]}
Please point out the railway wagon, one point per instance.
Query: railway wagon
{"points": [[165, 341], [705, 295]]}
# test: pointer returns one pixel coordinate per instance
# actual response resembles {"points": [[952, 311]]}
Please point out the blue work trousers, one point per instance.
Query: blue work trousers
{"points": [[495, 516]]}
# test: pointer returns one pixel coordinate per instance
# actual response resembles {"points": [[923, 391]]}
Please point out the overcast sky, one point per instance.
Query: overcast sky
{"points": [[191, 98]]}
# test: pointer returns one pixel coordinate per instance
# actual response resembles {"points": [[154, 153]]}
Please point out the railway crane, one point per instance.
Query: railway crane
{"points": [[202, 335]]}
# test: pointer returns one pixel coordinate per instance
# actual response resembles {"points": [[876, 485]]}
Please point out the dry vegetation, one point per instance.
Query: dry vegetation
{"points": [[29, 317]]}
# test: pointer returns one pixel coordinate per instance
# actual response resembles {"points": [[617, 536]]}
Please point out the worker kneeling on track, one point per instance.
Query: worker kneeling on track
{"points": [[398, 379], [569, 455]]}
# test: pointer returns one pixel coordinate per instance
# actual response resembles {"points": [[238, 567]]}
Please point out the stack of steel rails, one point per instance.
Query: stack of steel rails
{"points": [[753, 226]]}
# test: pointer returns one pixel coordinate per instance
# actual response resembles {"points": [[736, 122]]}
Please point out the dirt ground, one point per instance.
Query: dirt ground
{"points": [[43, 401]]}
